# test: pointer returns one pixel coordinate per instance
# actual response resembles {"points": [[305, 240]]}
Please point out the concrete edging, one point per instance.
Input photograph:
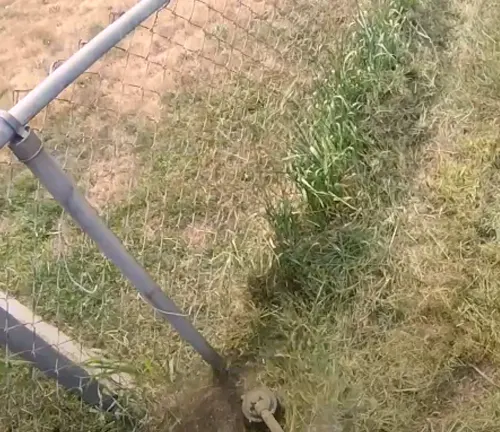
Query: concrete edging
{"points": [[56, 354]]}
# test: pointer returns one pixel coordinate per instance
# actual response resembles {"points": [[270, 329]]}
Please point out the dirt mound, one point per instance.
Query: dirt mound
{"points": [[208, 409]]}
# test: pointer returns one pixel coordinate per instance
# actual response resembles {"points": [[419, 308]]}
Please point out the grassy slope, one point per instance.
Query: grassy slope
{"points": [[374, 309], [385, 303]]}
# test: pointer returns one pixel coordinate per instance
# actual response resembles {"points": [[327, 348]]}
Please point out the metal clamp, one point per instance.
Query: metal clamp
{"points": [[17, 127], [26, 147], [25, 144]]}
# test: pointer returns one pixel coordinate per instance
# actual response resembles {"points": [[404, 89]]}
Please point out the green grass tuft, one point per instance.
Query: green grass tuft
{"points": [[344, 139], [347, 157]]}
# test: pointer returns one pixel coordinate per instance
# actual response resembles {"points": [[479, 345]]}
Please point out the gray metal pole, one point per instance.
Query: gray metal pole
{"points": [[28, 149], [71, 69]]}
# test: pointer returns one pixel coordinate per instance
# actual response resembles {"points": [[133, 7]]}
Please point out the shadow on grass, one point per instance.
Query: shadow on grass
{"points": [[315, 267]]}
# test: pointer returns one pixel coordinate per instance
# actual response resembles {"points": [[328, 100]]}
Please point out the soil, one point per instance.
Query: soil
{"points": [[214, 408]]}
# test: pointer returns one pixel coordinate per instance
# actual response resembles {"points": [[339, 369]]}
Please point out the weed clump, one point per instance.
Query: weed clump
{"points": [[345, 161]]}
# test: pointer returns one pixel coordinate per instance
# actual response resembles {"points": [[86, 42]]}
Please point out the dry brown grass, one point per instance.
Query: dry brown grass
{"points": [[111, 180], [448, 243]]}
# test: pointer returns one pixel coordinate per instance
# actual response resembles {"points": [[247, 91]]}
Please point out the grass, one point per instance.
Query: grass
{"points": [[396, 331], [332, 232], [38, 404], [181, 222], [338, 137], [347, 166]]}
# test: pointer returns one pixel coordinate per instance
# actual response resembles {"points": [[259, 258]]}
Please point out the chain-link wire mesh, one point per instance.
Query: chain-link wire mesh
{"points": [[174, 138]]}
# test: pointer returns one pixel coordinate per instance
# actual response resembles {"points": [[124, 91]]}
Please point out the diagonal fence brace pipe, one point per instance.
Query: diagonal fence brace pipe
{"points": [[28, 148]]}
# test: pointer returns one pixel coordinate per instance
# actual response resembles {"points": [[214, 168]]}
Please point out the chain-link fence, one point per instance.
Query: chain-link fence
{"points": [[172, 136]]}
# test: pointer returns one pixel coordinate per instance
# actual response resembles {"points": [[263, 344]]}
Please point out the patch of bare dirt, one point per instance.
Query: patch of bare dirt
{"points": [[197, 236], [179, 43], [37, 32], [473, 383], [209, 409], [111, 179]]}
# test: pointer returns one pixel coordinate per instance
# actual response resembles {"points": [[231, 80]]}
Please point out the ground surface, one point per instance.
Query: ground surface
{"points": [[314, 184]]}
